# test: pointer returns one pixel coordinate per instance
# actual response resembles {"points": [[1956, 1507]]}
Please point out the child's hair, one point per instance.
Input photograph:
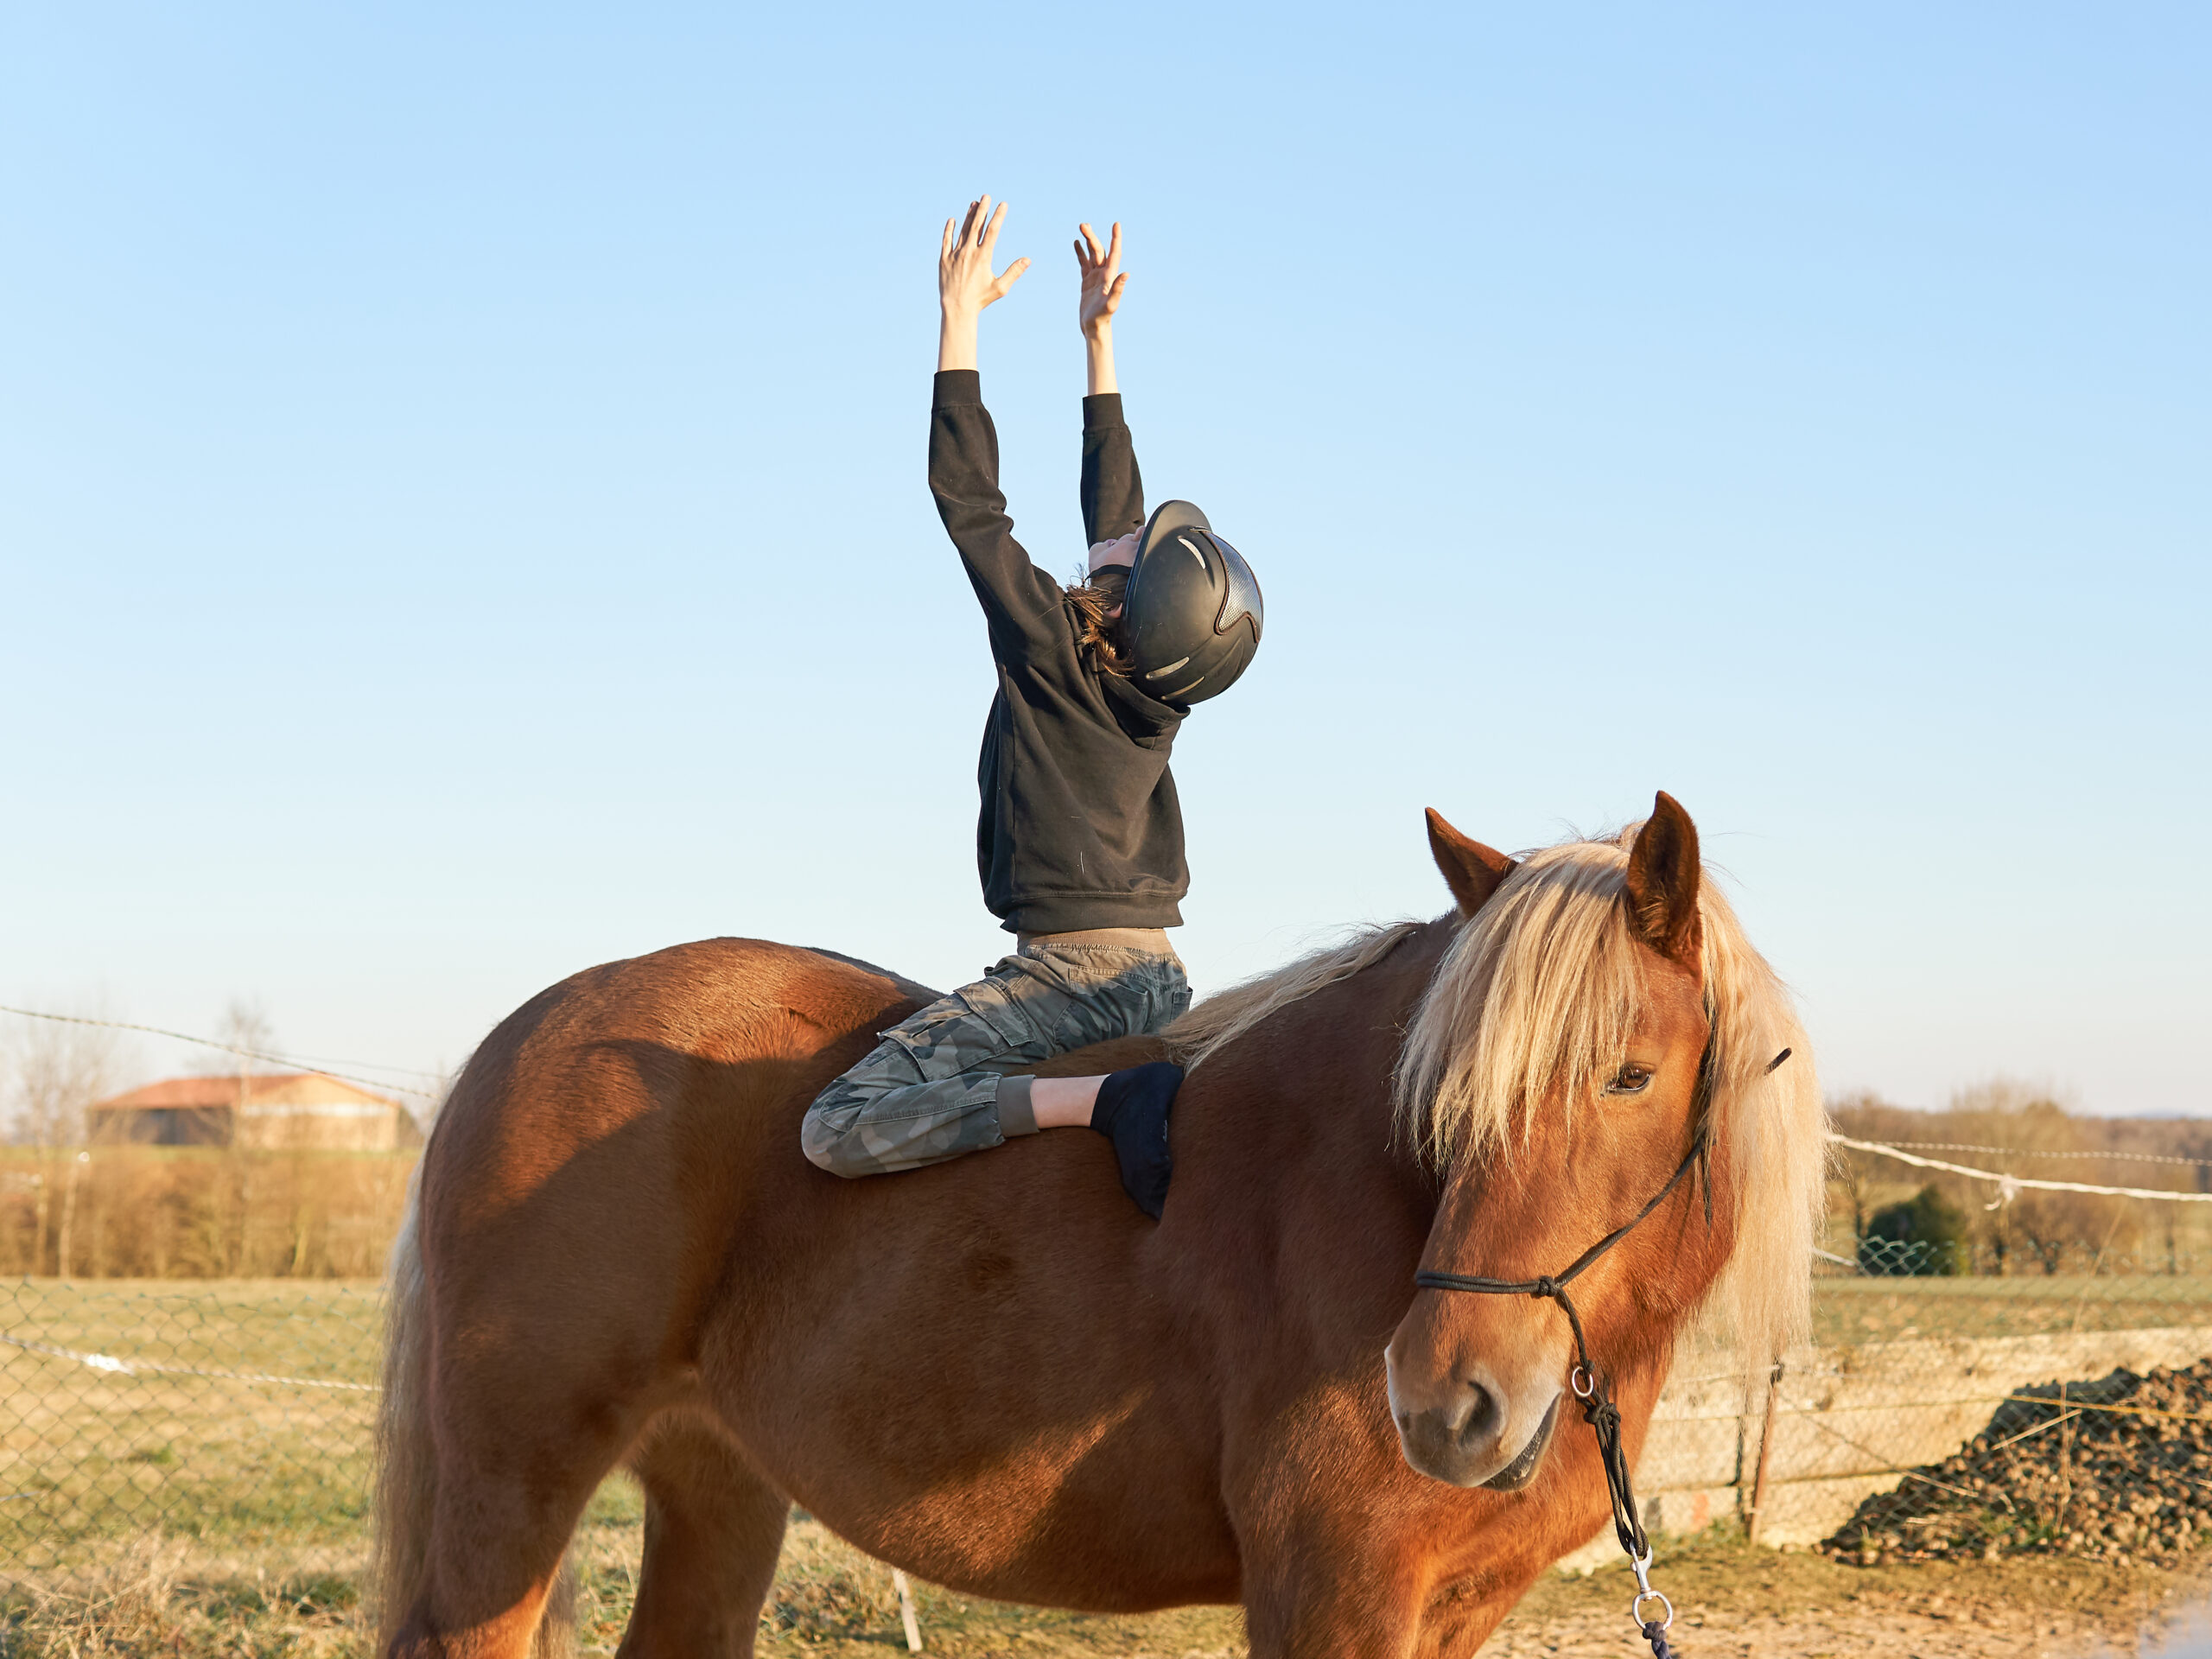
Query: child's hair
{"points": [[1097, 635]]}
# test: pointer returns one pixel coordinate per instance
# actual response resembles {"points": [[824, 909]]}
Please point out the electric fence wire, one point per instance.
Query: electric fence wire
{"points": [[300, 1061]]}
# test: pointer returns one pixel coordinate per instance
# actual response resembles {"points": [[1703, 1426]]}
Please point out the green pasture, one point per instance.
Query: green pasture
{"points": [[93, 1456], [1849, 1312], [91, 1452]]}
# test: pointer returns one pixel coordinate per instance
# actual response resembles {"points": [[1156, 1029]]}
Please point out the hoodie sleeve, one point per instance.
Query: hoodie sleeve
{"points": [[1113, 490], [1022, 603]]}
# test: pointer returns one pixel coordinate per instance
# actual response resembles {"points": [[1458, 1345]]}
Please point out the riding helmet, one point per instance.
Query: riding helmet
{"points": [[1192, 614]]}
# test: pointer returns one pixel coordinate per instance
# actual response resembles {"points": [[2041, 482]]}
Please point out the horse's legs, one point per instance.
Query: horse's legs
{"points": [[1459, 1618], [1308, 1595], [714, 1529], [1346, 1598], [511, 1483]]}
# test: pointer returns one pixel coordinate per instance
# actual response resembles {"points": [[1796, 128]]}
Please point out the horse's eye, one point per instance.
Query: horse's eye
{"points": [[1630, 1079]]}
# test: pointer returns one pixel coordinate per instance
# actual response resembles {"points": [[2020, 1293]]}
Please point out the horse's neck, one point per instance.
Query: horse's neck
{"points": [[1308, 1092]]}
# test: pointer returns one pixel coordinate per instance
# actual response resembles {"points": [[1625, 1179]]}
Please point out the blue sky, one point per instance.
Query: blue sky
{"points": [[463, 513]]}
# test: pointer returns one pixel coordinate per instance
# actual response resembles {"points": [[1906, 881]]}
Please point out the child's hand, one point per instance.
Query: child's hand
{"points": [[1121, 550], [964, 283], [1103, 280]]}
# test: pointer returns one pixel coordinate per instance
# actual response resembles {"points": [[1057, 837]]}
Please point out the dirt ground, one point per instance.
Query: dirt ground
{"points": [[164, 1598], [1732, 1600]]}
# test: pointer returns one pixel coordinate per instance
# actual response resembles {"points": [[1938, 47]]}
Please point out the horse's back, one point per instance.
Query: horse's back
{"points": [[728, 1013], [594, 1161]]}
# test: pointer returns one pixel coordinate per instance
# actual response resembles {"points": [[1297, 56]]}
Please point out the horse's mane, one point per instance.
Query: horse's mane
{"points": [[1226, 1015], [1533, 999]]}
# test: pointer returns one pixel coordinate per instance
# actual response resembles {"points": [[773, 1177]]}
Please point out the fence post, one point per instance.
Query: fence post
{"points": [[1766, 1450], [68, 1239], [906, 1614]]}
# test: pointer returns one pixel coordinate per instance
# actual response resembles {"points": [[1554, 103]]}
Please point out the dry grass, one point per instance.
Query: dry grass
{"points": [[829, 1599], [1847, 1312], [164, 1596], [192, 1212], [160, 1596], [90, 1457]]}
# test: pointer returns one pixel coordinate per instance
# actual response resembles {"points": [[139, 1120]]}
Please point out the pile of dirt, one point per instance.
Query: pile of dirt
{"points": [[2119, 1469]]}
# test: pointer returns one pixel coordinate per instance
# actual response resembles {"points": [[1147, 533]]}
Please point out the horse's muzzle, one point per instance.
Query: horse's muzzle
{"points": [[1463, 1443], [1523, 1469]]}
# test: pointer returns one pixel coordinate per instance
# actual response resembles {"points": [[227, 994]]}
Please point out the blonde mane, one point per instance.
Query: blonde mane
{"points": [[1534, 998], [1226, 1015]]}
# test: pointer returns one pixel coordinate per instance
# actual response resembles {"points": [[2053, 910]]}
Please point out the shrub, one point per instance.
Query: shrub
{"points": [[1924, 1235]]}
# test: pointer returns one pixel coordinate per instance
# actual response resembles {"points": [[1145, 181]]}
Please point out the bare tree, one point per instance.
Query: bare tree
{"points": [[244, 1030], [2049, 1228], [54, 1071]]}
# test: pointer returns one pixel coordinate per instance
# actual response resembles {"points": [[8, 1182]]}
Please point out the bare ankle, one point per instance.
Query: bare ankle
{"points": [[1064, 1102]]}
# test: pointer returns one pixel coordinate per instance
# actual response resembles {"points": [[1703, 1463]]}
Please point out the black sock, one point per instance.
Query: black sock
{"points": [[1132, 1112]]}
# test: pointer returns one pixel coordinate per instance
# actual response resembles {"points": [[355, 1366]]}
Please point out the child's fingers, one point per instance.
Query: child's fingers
{"points": [[989, 239], [1092, 239], [1113, 251], [1114, 293], [1082, 259], [968, 225], [1012, 275]]}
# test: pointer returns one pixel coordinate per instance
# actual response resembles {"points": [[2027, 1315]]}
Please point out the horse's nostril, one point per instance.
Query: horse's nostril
{"points": [[1478, 1414]]}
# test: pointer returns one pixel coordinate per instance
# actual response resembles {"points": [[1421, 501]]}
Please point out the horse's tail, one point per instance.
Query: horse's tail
{"points": [[406, 1461]]}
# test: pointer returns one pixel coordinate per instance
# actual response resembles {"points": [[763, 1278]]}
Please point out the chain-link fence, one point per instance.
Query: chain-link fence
{"points": [[238, 1412], [1958, 1403], [2061, 1409], [1945, 1409]]}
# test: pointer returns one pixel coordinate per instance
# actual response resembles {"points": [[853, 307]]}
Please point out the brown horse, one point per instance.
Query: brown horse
{"points": [[998, 1374]]}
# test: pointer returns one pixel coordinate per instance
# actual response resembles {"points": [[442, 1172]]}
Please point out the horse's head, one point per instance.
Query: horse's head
{"points": [[1552, 1077]]}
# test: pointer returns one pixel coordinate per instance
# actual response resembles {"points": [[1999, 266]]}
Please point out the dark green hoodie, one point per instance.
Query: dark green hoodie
{"points": [[1080, 827]]}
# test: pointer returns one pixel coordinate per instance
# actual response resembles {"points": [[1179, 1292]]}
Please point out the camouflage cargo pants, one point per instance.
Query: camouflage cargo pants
{"points": [[935, 1087]]}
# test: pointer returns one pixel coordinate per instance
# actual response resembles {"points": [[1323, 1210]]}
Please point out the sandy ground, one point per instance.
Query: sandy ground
{"points": [[1733, 1601], [165, 1597], [1737, 1601]]}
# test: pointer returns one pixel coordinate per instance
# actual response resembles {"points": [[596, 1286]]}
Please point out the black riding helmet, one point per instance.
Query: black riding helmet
{"points": [[1191, 615]]}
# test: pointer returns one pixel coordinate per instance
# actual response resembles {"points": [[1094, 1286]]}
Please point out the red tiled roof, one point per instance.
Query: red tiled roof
{"points": [[224, 1092]]}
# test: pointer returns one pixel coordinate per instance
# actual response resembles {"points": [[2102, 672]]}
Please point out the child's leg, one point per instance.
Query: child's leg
{"points": [[935, 1087], [928, 1092]]}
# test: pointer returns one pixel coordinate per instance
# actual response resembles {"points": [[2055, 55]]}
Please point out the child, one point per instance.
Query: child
{"points": [[1080, 846]]}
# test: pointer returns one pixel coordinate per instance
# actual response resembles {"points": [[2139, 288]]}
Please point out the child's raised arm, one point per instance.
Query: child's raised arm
{"points": [[964, 283], [1103, 279], [1112, 491]]}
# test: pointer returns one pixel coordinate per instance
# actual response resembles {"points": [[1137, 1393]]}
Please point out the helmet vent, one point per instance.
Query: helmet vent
{"points": [[1179, 662], [1190, 547]]}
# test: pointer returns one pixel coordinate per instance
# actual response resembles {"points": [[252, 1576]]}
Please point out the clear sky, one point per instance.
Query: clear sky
{"points": [[463, 513]]}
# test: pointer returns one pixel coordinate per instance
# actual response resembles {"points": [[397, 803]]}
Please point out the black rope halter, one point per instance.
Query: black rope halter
{"points": [[1590, 1387]]}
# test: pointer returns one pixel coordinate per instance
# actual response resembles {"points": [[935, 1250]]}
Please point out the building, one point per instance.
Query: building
{"points": [[286, 1110]]}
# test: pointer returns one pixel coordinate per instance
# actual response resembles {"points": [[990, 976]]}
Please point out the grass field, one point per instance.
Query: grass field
{"points": [[91, 1454], [165, 1597], [1847, 1312], [147, 1510]]}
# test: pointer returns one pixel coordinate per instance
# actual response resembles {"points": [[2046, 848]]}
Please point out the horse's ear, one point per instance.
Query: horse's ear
{"points": [[1663, 874], [1471, 870]]}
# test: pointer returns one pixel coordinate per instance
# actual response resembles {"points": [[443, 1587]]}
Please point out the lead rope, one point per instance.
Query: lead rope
{"points": [[1598, 1409]]}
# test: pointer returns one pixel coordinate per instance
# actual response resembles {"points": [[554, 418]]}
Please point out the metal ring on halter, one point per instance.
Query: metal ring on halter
{"points": [[1635, 1608], [1582, 1382]]}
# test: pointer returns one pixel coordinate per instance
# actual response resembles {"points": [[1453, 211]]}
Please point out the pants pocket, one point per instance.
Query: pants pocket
{"points": [[945, 1040], [995, 1007]]}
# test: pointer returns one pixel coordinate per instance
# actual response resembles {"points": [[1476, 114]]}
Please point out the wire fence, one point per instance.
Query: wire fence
{"points": [[1953, 1405], [1992, 1411], [237, 1413]]}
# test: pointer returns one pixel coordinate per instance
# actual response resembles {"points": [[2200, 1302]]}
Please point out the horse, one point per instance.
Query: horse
{"points": [[998, 1375]]}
